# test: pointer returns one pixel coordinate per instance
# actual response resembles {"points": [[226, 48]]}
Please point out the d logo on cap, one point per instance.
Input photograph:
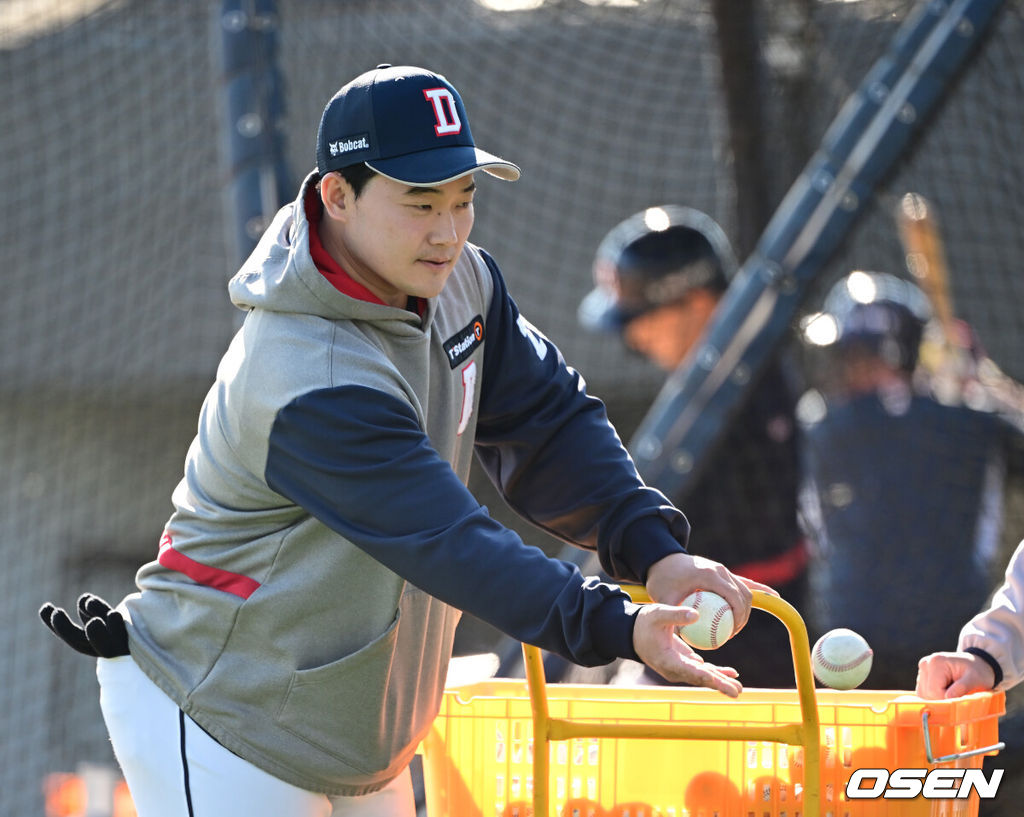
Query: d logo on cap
{"points": [[447, 114]]}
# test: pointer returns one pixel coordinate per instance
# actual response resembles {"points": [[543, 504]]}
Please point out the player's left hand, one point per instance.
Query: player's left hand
{"points": [[656, 642], [672, 579]]}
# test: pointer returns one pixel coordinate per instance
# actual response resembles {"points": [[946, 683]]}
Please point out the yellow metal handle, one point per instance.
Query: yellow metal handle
{"points": [[805, 734]]}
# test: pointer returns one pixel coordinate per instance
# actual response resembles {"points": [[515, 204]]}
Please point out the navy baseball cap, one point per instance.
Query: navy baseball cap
{"points": [[880, 314], [653, 258], [406, 123]]}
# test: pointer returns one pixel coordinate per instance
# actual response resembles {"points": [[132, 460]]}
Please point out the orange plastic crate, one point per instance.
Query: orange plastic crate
{"points": [[478, 756], [726, 758]]}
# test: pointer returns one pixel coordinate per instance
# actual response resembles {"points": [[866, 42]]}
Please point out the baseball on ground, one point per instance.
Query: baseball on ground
{"points": [[714, 627], [841, 659]]}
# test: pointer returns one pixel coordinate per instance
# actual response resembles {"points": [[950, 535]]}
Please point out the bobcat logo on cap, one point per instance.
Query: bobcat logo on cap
{"points": [[448, 122], [354, 143]]}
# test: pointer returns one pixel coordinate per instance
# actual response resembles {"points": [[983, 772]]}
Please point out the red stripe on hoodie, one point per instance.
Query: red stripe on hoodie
{"points": [[225, 580]]}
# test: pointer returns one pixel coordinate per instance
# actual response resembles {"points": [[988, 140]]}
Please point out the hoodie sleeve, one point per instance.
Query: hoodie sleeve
{"points": [[358, 461], [999, 630], [548, 447]]}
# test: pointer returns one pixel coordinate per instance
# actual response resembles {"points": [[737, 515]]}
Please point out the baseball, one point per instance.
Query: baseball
{"points": [[714, 627], [841, 659]]}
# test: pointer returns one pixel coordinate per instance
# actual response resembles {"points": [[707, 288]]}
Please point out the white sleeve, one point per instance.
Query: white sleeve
{"points": [[999, 630]]}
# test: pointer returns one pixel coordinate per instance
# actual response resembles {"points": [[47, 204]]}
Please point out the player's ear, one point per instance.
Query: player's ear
{"points": [[337, 196]]}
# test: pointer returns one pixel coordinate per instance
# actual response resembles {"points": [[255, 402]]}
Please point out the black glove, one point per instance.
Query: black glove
{"points": [[103, 634]]}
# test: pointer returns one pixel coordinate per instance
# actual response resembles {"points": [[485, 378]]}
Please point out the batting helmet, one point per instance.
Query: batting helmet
{"points": [[652, 258], [879, 314]]}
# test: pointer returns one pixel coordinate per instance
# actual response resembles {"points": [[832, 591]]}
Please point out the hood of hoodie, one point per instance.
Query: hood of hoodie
{"points": [[280, 276]]}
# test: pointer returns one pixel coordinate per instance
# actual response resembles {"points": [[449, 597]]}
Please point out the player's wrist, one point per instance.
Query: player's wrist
{"points": [[612, 629], [648, 540], [993, 664]]}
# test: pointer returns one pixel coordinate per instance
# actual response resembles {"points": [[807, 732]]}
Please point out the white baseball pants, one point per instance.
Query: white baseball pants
{"points": [[175, 769]]}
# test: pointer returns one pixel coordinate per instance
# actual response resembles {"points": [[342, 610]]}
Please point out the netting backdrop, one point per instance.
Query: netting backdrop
{"points": [[115, 253]]}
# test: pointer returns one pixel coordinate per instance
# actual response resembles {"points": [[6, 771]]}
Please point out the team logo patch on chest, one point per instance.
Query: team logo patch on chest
{"points": [[462, 344]]}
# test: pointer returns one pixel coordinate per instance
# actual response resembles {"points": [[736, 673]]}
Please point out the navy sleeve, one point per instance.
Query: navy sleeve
{"points": [[548, 447], [358, 461]]}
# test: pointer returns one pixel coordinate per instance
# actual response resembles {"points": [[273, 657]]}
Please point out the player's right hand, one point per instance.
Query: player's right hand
{"points": [[952, 674], [673, 578], [656, 642]]}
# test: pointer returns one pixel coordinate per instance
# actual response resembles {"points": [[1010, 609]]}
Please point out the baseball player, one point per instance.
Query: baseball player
{"points": [[899, 485], [288, 645], [660, 275]]}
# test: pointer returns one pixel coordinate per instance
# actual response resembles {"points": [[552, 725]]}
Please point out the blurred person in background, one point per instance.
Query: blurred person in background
{"points": [[903, 493], [659, 276]]}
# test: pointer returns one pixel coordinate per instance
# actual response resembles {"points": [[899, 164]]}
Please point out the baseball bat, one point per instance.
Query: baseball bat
{"points": [[926, 259], [970, 375]]}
